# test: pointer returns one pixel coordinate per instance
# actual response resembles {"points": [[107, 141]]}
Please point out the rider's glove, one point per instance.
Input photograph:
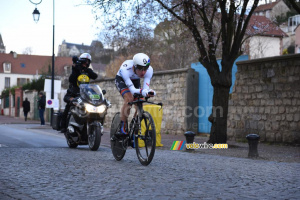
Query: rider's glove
{"points": [[145, 92], [154, 93]]}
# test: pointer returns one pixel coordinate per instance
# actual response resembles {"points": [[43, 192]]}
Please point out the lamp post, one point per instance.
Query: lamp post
{"points": [[36, 17]]}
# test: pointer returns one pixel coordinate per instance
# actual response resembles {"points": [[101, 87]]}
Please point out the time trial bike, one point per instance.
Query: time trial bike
{"points": [[141, 134]]}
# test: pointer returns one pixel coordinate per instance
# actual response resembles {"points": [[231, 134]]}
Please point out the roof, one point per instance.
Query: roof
{"points": [[1, 43], [260, 25], [265, 7], [78, 46], [32, 64]]}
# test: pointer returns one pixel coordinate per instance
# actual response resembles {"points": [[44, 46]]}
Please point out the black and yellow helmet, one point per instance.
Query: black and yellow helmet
{"points": [[83, 79]]}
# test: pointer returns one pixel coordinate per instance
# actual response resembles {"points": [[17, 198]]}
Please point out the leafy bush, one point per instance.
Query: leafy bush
{"points": [[5, 93], [35, 84]]}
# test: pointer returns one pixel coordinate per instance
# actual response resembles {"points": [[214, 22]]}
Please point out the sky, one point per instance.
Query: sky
{"points": [[74, 23]]}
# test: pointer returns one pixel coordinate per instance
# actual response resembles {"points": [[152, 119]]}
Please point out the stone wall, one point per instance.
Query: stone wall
{"points": [[176, 89], [266, 100]]}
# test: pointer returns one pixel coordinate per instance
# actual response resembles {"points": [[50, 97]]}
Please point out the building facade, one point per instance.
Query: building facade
{"points": [[17, 70], [272, 10]]}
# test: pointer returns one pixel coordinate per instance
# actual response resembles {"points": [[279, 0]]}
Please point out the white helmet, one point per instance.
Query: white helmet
{"points": [[141, 61], [85, 56]]}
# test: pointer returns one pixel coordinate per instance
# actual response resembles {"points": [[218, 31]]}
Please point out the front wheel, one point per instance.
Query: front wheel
{"points": [[71, 143], [145, 140], [117, 144], [94, 137]]}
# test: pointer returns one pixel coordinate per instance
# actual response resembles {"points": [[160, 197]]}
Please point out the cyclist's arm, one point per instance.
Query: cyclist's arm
{"points": [[131, 87], [124, 74], [147, 78]]}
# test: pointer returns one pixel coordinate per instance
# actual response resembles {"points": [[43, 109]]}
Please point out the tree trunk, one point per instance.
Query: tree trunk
{"points": [[218, 118]]}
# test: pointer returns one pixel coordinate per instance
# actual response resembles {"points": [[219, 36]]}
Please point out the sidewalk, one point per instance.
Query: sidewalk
{"points": [[278, 153]]}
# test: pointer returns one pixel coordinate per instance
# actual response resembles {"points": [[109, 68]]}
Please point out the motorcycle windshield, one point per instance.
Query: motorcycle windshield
{"points": [[91, 93]]}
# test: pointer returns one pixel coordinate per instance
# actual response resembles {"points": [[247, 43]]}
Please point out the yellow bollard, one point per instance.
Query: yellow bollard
{"points": [[156, 113]]}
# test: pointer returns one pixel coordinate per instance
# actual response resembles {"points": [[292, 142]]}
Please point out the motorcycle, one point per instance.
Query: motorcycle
{"points": [[86, 117]]}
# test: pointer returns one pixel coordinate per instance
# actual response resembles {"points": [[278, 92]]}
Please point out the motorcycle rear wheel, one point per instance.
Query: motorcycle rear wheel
{"points": [[117, 146], [94, 138]]}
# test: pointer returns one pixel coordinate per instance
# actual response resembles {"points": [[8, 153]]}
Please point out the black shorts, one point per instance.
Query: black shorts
{"points": [[122, 87]]}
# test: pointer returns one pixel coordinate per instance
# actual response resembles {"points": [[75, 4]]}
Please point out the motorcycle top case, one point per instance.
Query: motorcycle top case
{"points": [[56, 121]]}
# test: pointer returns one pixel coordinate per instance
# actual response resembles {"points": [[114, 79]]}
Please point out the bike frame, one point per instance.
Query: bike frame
{"points": [[139, 103]]}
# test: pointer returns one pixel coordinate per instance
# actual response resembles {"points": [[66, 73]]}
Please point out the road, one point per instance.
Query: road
{"points": [[37, 164]]}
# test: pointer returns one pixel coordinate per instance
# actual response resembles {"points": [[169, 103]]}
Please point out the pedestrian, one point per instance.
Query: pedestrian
{"points": [[41, 106], [26, 108]]}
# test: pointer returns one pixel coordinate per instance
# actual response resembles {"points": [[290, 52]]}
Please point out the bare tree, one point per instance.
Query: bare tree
{"points": [[209, 22], [27, 51], [174, 45], [295, 4], [259, 46]]}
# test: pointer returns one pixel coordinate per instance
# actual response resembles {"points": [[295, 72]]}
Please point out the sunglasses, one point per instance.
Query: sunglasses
{"points": [[143, 68]]}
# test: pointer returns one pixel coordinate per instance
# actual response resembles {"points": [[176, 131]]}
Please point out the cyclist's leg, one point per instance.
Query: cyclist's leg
{"points": [[125, 109], [128, 97], [125, 112]]}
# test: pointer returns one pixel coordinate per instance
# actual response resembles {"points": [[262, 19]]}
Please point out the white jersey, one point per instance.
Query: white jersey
{"points": [[126, 71]]}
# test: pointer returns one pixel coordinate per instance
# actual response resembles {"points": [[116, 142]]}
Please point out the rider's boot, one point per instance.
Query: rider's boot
{"points": [[123, 129]]}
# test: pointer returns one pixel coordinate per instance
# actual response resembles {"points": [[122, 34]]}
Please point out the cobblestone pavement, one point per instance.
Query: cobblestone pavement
{"points": [[63, 173]]}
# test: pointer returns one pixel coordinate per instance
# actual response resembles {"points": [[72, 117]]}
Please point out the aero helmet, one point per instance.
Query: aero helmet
{"points": [[83, 79], [141, 61], [85, 58]]}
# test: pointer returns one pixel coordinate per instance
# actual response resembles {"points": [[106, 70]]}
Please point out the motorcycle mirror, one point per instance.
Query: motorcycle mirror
{"points": [[104, 92]]}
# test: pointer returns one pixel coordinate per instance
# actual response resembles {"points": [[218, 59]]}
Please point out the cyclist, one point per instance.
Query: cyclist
{"points": [[128, 83], [81, 74]]}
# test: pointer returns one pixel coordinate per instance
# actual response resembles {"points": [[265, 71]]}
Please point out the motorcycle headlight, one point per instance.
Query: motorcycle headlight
{"points": [[101, 108], [93, 109]]}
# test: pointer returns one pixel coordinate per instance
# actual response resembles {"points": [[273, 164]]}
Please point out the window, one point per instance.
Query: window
{"points": [[7, 82], [267, 14], [6, 67], [22, 81]]}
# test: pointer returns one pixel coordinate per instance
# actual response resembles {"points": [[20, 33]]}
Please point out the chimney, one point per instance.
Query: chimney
{"points": [[15, 55]]}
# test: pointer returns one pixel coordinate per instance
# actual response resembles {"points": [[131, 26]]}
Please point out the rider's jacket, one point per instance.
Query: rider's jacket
{"points": [[71, 92], [77, 71], [74, 90], [127, 73]]}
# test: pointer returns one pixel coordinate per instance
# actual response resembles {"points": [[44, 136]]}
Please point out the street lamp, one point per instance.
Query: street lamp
{"points": [[36, 17]]}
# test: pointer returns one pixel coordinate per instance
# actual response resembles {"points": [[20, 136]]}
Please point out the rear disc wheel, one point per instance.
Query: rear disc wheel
{"points": [[116, 144]]}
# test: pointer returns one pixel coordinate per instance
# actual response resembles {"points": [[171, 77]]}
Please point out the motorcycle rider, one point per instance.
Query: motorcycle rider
{"points": [[128, 83], [81, 74]]}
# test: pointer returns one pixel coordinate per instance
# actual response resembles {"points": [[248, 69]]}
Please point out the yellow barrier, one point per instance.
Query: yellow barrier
{"points": [[156, 113]]}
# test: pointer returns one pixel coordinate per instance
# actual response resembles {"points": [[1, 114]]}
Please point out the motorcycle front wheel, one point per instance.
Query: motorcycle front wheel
{"points": [[94, 138], [70, 141]]}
